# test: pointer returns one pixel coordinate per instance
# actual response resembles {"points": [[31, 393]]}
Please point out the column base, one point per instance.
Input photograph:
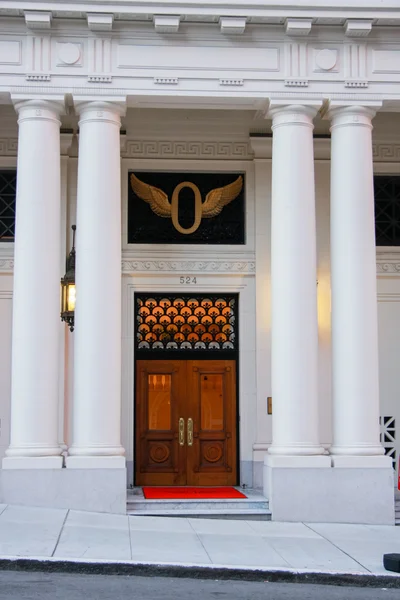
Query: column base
{"points": [[357, 451], [32, 462], [297, 450], [361, 462], [313, 489], [95, 462], [96, 490]]}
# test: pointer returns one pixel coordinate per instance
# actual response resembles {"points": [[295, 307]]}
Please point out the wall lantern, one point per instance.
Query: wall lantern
{"points": [[68, 288]]}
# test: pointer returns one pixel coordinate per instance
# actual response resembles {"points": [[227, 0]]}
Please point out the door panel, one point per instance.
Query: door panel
{"points": [[186, 422], [160, 458], [211, 459]]}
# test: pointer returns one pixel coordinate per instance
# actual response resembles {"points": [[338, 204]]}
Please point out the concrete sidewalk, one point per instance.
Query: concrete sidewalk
{"points": [[56, 536]]}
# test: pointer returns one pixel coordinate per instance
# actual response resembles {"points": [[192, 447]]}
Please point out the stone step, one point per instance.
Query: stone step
{"points": [[234, 515], [254, 507]]}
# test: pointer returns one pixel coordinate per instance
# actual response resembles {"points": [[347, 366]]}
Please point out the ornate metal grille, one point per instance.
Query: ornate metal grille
{"points": [[186, 323], [388, 437], [387, 210], [8, 190]]}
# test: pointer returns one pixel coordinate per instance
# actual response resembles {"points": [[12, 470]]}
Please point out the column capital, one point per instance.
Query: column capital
{"points": [[351, 114], [292, 114], [100, 111], [38, 109]]}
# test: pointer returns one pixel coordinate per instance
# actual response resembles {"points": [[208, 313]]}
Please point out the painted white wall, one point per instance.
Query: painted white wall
{"points": [[389, 361]]}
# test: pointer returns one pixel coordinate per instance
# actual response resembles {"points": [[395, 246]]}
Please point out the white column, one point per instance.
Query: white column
{"points": [[354, 295], [36, 303], [97, 363], [293, 285]]}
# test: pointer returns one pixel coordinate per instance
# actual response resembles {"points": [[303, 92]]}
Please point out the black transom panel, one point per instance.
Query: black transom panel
{"points": [[223, 225], [387, 210], [8, 191]]}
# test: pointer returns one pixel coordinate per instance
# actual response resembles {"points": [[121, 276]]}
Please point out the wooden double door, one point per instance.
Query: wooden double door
{"points": [[186, 422]]}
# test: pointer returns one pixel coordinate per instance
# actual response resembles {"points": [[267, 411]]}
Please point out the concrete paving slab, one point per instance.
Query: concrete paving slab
{"points": [[167, 546], [26, 531], [287, 530], [95, 535], [243, 550], [309, 553]]}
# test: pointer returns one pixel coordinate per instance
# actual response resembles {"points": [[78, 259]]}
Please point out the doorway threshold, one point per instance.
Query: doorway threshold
{"points": [[254, 507]]}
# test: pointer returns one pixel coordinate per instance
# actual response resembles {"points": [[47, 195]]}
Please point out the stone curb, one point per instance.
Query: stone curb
{"points": [[88, 567]]}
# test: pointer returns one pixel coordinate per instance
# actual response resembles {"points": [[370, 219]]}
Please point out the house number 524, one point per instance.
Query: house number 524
{"points": [[187, 280]]}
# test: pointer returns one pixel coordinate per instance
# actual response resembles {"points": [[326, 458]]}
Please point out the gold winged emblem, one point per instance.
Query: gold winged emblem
{"points": [[211, 207]]}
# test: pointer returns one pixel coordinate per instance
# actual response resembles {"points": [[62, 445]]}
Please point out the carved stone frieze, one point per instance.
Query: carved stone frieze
{"points": [[388, 262], [6, 265], [386, 152], [8, 146], [188, 266], [385, 265], [389, 268], [186, 149]]}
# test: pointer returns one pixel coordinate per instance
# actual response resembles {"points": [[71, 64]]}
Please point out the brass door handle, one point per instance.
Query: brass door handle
{"points": [[181, 431], [190, 432]]}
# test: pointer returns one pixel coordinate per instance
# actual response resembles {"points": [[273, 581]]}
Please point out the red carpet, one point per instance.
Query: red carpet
{"points": [[190, 493]]}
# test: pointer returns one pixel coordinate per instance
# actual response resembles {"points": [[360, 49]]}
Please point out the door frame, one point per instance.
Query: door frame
{"points": [[162, 277], [186, 356]]}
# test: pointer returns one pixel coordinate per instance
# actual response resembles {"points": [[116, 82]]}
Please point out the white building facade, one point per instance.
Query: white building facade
{"points": [[302, 102]]}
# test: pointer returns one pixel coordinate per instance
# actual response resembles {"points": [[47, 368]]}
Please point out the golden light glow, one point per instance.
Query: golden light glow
{"points": [[71, 297], [324, 305]]}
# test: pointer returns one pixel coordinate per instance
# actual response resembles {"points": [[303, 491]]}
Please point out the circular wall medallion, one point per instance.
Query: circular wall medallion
{"points": [[326, 59], [69, 53]]}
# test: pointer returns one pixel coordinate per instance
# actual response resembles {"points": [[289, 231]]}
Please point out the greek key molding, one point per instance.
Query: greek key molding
{"points": [[8, 146], [188, 266], [386, 152], [187, 149]]}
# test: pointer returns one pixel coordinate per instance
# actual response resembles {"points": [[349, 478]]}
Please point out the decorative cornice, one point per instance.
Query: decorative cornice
{"points": [[188, 266], [187, 149]]}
